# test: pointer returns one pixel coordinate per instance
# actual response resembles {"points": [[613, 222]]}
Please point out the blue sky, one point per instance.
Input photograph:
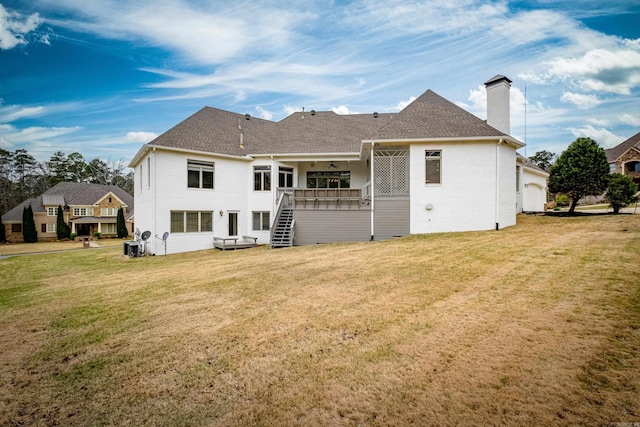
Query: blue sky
{"points": [[104, 77]]}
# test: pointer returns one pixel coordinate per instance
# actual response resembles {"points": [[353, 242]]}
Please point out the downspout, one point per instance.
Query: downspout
{"points": [[373, 192], [497, 208], [153, 195]]}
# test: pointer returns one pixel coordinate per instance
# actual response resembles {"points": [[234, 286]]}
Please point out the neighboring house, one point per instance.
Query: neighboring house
{"points": [[624, 158], [88, 209], [531, 185], [318, 177]]}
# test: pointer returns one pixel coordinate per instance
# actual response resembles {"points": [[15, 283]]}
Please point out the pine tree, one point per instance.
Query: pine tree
{"points": [[121, 226], [62, 229], [29, 232]]}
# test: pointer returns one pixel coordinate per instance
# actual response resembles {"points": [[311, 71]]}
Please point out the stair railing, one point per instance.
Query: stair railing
{"points": [[282, 201]]}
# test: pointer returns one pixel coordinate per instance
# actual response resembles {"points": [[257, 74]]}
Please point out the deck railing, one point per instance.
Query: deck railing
{"points": [[328, 198]]}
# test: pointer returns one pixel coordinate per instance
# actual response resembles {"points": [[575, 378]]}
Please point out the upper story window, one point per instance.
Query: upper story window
{"points": [[329, 179], [432, 166], [262, 178], [109, 211], [200, 174], [82, 211], [52, 211]]}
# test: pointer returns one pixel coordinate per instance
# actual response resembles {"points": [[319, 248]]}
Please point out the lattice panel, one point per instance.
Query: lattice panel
{"points": [[400, 175], [391, 173], [382, 175]]}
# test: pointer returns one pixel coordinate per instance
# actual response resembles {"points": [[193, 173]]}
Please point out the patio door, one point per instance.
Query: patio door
{"points": [[233, 224]]}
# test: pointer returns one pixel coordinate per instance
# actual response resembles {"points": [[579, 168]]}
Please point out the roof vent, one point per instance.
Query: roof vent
{"points": [[247, 116], [313, 112], [375, 114]]}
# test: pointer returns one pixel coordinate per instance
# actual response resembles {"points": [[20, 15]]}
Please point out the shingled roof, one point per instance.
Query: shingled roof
{"points": [[218, 131], [614, 153], [74, 194], [432, 116]]}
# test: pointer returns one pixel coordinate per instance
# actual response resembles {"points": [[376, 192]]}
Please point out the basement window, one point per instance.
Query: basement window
{"points": [[261, 221], [191, 221]]}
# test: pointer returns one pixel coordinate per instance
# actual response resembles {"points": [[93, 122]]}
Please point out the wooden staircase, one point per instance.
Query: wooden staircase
{"points": [[283, 233]]}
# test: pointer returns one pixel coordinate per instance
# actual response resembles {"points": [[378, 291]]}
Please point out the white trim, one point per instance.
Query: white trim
{"points": [[503, 138], [146, 148]]}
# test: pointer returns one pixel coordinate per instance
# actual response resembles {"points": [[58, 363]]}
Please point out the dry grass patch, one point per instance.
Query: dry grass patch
{"points": [[55, 246], [538, 324]]}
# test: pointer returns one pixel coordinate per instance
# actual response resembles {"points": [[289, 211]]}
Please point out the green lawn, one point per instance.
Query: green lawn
{"points": [[537, 324]]}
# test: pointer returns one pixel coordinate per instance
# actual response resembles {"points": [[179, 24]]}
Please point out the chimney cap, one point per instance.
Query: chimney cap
{"points": [[497, 79]]}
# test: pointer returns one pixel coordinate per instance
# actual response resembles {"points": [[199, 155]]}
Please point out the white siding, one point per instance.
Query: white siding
{"points": [[507, 186], [170, 192], [466, 198]]}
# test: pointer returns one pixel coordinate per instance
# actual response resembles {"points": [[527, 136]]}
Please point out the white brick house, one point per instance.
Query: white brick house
{"points": [[319, 177]]}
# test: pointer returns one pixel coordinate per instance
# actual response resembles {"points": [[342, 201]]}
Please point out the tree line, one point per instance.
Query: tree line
{"points": [[23, 177]]}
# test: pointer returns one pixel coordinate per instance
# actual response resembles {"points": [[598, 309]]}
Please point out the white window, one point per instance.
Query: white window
{"points": [[613, 168], [200, 174], [262, 178], [148, 172], [518, 179], [109, 229], [51, 228], [261, 221], [82, 211], [432, 167], [191, 221], [109, 211], [285, 177], [52, 211]]}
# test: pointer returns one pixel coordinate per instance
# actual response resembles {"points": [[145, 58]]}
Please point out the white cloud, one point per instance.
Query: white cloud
{"points": [[263, 113], [599, 122], [400, 16], [205, 33], [606, 70], [583, 102], [533, 78], [11, 136], [289, 109], [602, 136], [142, 137], [535, 25], [343, 110], [15, 27], [11, 113], [403, 104], [630, 120]]}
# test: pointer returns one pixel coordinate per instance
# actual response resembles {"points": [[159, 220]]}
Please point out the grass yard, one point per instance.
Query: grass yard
{"points": [[537, 324]]}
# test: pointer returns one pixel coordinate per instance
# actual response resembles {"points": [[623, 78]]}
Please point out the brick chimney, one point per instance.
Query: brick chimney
{"points": [[498, 112]]}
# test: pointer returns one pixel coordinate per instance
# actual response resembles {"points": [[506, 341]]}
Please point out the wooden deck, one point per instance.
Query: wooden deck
{"points": [[230, 243]]}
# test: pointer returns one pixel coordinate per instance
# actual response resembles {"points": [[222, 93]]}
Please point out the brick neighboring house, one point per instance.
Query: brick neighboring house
{"points": [[88, 208], [624, 158]]}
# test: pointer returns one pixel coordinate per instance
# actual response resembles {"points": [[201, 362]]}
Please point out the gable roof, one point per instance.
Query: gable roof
{"points": [[212, 130], [432, 116], [73, 194], [614, 153]]}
